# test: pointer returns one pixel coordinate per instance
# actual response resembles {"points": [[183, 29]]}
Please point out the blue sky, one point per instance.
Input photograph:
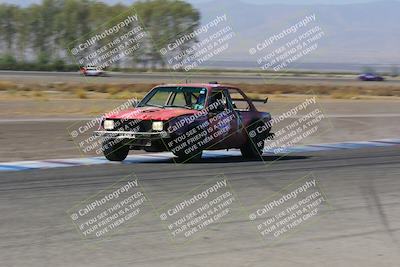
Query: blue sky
{"points": [[27, 2]]}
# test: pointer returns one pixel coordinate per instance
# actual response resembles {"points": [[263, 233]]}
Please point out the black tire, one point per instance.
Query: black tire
{"points": [[254, 146], [115, 152], [189, 158]]}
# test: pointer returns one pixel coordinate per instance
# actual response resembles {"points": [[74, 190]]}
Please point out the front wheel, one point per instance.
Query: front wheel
{"points": [[115, 152]]}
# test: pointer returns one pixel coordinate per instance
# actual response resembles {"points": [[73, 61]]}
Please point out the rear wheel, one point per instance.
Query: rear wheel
{"points": [[115, 152], [255, 142]]}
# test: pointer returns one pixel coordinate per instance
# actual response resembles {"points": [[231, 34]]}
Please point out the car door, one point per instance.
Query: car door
{"points": [[244, 111], [223, 119]]}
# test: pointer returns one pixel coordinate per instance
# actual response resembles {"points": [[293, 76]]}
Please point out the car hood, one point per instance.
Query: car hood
{"points": [[151, 113]]}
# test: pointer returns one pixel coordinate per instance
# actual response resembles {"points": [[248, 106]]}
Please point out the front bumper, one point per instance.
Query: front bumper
{"points": [[131, 135]]}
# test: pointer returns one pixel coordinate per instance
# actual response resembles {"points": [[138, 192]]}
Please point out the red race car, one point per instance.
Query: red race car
{"points": [[186, 119]]}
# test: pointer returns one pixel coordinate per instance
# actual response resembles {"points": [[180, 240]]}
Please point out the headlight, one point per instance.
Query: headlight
{"points": [[108, 124], [158, 126]]}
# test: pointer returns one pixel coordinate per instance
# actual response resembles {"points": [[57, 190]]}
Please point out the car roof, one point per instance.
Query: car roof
{"points": [[209, 86]]}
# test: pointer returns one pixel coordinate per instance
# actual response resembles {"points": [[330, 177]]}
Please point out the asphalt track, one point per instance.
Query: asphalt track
{"points": [[362, 186], [361, 229], [179, 77]]}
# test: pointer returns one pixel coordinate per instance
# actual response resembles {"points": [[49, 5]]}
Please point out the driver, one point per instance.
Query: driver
{"points": [[200, 100]]}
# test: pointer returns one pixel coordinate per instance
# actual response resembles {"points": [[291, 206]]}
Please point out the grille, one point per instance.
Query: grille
{"points": [[133, 125]]}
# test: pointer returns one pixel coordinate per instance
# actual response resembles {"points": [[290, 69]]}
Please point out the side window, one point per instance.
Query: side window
{"points": [[238, 101]]}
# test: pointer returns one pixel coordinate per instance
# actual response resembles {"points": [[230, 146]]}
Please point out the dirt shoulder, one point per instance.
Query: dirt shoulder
{"points": [[68, 105]]}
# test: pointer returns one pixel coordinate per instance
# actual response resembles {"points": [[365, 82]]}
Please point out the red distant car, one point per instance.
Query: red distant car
{"points": [[186, 119]]}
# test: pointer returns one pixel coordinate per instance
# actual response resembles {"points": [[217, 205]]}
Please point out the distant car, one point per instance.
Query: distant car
{"points": [[370, 77], [92, 71], [186, 119]]}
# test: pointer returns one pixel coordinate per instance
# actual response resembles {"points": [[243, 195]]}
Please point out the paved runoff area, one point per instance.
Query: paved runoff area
{"points": [[333, 207]]}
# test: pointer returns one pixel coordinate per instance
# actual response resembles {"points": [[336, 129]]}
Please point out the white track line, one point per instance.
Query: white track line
{"points": [[166, 156]]}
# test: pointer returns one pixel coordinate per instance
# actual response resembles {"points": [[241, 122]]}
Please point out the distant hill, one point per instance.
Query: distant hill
{"points": [[365, 33]]}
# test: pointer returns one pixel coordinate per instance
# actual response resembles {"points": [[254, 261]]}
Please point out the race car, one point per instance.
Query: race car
{"points": [[186, 119], [92, 71], [370, 77]]}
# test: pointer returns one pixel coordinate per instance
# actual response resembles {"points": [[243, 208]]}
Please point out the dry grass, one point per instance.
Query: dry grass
{"points": [[337, 91], [7, 86], [81, 93], [39, 94], [127, 95], [344, 95], [124, 91]]}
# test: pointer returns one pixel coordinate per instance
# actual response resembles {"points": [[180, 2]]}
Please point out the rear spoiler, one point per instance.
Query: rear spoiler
{"points": [[252, 100]]}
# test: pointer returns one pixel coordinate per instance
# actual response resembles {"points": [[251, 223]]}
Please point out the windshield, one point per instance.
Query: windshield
{"points": [[183, 97]]}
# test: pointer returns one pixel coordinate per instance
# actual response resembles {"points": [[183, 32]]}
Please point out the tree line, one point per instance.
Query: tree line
{"points": [[37, 37]]}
